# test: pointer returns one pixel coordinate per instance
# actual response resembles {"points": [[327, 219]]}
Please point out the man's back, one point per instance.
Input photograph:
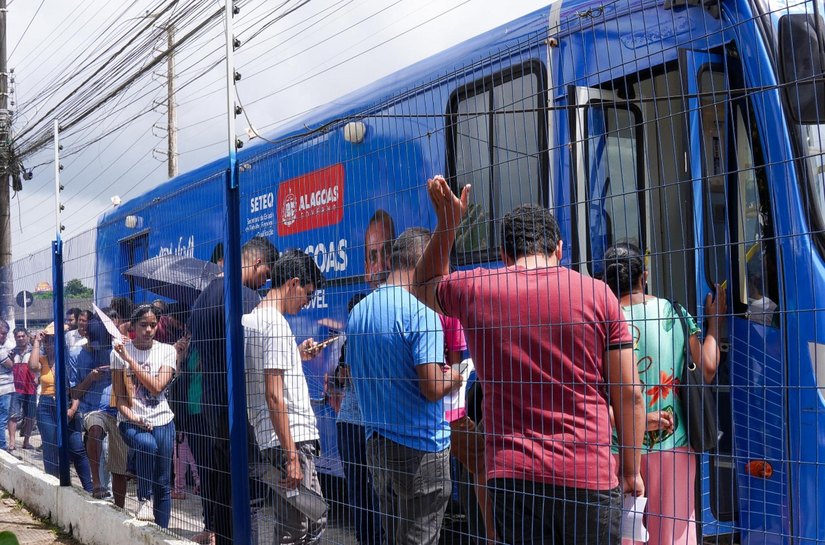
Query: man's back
{"points": [[207, 325], [538, 339], [389, 333]]}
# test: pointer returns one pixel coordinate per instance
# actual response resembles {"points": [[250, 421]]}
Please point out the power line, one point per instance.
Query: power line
{"points": [[27, 28]]}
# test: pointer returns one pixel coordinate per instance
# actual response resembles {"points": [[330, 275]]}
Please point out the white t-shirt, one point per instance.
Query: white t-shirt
{"points": [[270, 344], [155, 409]]}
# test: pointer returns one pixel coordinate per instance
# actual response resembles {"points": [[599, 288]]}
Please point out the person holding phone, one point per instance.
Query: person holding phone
{"points": [[278, 401], [90, 384], [142, 369]]}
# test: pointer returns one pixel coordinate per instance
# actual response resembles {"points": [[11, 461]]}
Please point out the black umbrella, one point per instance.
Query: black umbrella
{"points": [[176, 277]]}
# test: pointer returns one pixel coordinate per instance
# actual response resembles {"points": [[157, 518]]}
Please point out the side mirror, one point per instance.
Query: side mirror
{"points": [[802, 66]]}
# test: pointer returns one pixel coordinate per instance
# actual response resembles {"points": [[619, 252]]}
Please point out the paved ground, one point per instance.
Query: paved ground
{"points": [[186, 519], [28, 529]]}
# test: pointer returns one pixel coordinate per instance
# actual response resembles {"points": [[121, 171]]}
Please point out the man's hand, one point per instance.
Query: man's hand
{"points": [[70, 413], [449, 209], [293, 474], [633, 484], [308, 349]]}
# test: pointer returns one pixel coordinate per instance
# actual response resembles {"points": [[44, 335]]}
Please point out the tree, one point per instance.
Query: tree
{"points": [[75, 289]]}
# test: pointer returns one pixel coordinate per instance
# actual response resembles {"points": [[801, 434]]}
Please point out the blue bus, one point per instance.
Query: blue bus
{"points": [[692, 128]]}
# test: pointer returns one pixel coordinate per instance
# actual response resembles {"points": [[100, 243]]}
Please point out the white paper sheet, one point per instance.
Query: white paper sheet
{"points": [[633, 509], [108, 324]]}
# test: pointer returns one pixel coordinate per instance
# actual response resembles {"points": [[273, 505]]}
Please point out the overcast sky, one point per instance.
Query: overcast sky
{"points": [[338, 54]]}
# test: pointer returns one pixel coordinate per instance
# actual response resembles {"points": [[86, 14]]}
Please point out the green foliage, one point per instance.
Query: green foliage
{"points": [[8, 538], [45, 295], [75, 289]]}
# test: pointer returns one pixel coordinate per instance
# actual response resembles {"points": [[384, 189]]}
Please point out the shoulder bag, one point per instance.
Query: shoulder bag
{"points": [[698, 401]]}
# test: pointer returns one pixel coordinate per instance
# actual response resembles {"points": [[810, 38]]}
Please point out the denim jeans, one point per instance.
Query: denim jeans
{"points": [[363, 503], [153, 462], [413, 489], [532, 512], [5, 408], [47, 424]]}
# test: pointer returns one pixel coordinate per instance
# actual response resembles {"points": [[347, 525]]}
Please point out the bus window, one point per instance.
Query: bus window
{"points": [[613, 152], [133, 250], [496, 131], [755, 250], [713, 102]]}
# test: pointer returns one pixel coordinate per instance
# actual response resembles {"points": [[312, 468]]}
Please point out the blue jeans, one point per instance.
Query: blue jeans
{"points": [[47, 424], [363, 503], [153, 464], [5, 407]]}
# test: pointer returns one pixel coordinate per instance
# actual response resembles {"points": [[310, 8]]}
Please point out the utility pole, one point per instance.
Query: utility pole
{"points": [[6, 291], [172, 125]]}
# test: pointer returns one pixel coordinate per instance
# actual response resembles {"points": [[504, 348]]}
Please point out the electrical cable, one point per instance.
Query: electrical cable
{"points": [[28, 26]]}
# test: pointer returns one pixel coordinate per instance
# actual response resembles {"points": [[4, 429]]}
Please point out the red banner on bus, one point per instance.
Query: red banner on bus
{"points": [[310, 201]]}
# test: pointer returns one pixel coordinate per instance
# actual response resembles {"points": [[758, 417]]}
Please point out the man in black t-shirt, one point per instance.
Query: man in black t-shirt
{"points": [[207, 325]]}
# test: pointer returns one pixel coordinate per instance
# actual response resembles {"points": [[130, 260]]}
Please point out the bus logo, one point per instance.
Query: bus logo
{"points": [[311, 201], [289, 210]]}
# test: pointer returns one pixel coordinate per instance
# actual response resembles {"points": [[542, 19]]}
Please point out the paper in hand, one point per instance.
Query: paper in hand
{"points": [[633, 509], [108, 324]]}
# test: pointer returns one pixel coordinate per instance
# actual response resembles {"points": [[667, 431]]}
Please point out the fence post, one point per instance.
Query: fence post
{"points": [[61, 382], [236, 383]]}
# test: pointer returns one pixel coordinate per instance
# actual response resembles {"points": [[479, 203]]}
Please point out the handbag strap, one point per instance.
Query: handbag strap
{"points": [[690, 365]]}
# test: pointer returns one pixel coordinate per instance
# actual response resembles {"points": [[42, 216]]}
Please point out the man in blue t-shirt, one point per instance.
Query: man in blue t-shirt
{"points": [[396, 353]]}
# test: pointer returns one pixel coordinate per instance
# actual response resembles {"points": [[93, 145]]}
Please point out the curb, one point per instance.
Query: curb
{"points": [[89, 521]]}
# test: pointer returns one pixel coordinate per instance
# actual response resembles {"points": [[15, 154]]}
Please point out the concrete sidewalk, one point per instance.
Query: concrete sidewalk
{"points": [[28, 529]]}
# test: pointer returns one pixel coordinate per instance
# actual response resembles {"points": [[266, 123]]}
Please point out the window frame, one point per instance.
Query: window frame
{"points": [[485, 85], [640, 172]]}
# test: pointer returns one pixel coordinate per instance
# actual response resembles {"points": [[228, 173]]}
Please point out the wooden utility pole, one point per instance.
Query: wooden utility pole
{"points": [[172, 127], [6, 291]]}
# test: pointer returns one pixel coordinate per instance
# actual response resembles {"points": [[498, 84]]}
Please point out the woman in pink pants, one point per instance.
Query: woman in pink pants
{"points": [[184, 460], [668, 463]]}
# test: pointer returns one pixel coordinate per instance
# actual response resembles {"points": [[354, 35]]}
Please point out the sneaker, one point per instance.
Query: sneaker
{"points": [[144, 511]]}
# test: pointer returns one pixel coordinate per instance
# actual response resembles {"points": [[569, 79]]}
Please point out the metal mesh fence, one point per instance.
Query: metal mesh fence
{"points": [[426, 363]]}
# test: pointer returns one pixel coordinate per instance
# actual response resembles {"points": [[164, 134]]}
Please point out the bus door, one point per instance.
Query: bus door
{"points": [[734, 240], [609, 180]]}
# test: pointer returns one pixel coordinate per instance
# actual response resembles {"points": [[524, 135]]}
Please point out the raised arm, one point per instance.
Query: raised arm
{"points": [[706, 353], [34, 359], [435, 262]]}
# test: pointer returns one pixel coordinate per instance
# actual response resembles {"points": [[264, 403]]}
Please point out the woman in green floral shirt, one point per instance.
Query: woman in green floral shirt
{"points": [[668, 464]]}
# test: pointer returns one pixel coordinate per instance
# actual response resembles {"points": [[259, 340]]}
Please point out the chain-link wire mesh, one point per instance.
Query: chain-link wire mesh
{"points": [[501, 364]]}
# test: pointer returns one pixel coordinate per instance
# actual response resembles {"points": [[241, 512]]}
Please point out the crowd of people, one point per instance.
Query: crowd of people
{"points": [[550, 390]]}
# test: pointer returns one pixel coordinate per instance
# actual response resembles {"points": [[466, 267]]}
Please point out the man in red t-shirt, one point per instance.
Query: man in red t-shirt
{"points": [[24, 402], [552, 352]]}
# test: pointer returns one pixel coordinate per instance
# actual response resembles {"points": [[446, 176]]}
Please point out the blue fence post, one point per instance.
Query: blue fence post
{"points": [[61, 382], [236, 382]]}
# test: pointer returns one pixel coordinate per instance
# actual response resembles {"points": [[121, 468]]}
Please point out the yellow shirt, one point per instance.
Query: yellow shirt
{"points": [[46, 377]]}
